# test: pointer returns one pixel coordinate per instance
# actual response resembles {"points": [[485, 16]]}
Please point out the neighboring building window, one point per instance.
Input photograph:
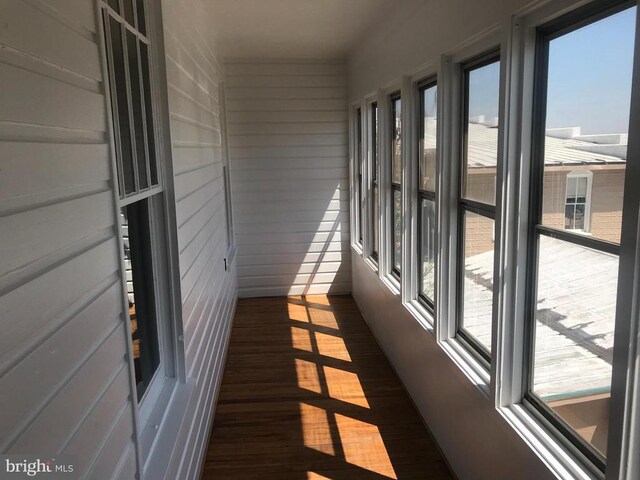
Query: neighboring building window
{"points": [[428, 99], [375, 188], [396, 185], [476, 204], [574, 277], [139, 185], [577, 201]]}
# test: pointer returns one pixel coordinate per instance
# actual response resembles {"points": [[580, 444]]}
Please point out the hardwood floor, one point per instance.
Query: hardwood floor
{"points": [[308, 394]]}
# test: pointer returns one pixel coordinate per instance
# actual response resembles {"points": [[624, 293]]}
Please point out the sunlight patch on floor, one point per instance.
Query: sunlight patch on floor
{"points": [[345, 386], [297, 312], [323, 318], [315, 429], [301, 339], [308, 378], [331, 346], [316, 476], [363, 446]]}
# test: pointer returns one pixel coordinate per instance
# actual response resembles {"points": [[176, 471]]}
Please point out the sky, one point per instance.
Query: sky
{"points": [[589, 84]]}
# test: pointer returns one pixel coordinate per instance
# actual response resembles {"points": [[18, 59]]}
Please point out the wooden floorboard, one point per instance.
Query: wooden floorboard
{"points": [[308, 395]]}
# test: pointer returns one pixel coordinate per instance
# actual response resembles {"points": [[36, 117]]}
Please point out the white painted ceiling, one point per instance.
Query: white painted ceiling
{"points": [[293, 28]]}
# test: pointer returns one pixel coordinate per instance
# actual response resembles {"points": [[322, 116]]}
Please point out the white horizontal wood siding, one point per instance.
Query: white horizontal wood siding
{"points": [[289, 172], [64, 373], [208, 291]]}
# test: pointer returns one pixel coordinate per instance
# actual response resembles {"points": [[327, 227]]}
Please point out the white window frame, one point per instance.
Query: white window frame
{"points": [[577, 174], [355, 162], [226, 178], [449, 90], [385, 254], [150, 412], [623, 459], [371, 257]]}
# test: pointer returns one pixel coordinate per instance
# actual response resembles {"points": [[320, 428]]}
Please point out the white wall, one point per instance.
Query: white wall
{"points": [[208, 292], [477, 441], [289, 171], [64, 376]]}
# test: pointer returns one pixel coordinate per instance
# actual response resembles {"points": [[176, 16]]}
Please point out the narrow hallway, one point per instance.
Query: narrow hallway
{"points": [[308, 394]]}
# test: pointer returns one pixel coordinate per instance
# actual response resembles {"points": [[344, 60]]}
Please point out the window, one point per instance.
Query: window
{"points": [[140, 187], [226, 178], [358, 165], [476, 203], [396, 185], [574, 277], [578, 201], [375, 188], [428, 99]]}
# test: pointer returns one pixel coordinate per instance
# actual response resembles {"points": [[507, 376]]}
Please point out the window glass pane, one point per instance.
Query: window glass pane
{"points": [[136, 105], [376, 216], [359, 171], [481, 145], [121, 106], [587, 121], [146, 84], [128, 12], [427, 247], [573, 349], [140, 289], [397, 229], [396, 142], [477, 285], [115, 4], [375, 176], [427, 179], [142, 24]]}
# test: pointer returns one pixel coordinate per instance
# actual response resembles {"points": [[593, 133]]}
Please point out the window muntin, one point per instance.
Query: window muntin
{"points": [[141, 194], [396, 185], [428, 98], [375, 187], [573, 276], [131, 105], [476, 203]]}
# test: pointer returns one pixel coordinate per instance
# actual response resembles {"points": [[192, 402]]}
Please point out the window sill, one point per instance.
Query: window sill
{"points": [[357, 248], [475, 371], [372, 264], [550, 450], [159, 435], [392, 284], [422, 315]]}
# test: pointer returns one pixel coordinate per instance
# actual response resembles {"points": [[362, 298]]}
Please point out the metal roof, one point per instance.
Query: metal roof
{"points": [[483, 148]]}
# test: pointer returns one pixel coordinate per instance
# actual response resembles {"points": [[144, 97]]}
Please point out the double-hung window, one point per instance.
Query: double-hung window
{"points": [[428, 98], [375, 187], [577, 186], [396, 184], [476, 202], [141, 192], [578, 201], [358, 166]]}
